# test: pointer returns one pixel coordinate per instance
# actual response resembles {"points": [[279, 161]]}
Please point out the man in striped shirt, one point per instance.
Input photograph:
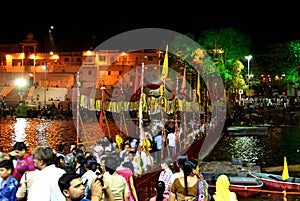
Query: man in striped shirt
{"points": [[25, 160]]}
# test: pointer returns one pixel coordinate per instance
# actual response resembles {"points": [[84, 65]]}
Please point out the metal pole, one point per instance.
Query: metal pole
{"points": [[248, 68], [44, 85]]}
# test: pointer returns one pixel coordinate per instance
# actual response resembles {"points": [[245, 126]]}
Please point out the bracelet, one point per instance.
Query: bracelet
{"points": [[97, 196]]}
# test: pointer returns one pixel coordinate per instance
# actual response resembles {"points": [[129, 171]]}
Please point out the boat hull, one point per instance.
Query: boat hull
{"points": [[245, 186], [247, 130], [274, 182]]}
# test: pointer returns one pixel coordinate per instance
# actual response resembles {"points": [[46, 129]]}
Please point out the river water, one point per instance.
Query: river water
{"points": [[263, 150], [266, 151]]}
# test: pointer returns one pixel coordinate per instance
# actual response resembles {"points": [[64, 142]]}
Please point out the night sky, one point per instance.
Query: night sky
{"points": [[88, 24]]}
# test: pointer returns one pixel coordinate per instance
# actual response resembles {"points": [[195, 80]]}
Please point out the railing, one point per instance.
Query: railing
{"points": [[283, 193], [145, 184]]}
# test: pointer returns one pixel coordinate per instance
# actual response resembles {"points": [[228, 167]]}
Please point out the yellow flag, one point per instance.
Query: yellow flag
{"points": [[164, 73], [285, 172], [198, 88], [119, 141]]}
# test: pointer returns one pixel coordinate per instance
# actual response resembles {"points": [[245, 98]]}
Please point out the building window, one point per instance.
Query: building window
{"points": [[109, 73], [90, 72], [150, 58], [102, 58], [120, 72]]}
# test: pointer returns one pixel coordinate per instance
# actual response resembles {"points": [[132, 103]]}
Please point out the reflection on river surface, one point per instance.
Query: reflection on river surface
{"points": [[35, 132], [263, 150]]}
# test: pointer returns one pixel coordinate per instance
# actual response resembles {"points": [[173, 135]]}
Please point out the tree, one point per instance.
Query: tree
{"points": [[293, 72], [228, 48]]}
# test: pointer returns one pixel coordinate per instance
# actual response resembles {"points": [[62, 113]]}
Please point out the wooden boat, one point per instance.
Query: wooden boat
{"points": [[245, 186], [275, 182], [248, 130]]}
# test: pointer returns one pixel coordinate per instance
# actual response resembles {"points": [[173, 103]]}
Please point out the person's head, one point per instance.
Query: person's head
{"points": [[111, 164], [222, 188], [131, 155], [6, 168], [99, 150], [195, 167], [59, 161], [181, 160], [167, 163], [60, 148], [90, 163], [71, 186], [107, 151], [160, 188], [73, 146], [128, 164], [127, 147], [20, 149], [70, 162], [80, 156], [43, 157], [223, 181], [102, 163]]}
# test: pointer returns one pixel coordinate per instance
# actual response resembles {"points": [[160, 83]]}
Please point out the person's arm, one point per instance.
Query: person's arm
{"points": [[172, 196], [108, 195], [132, 188], [96, 190], [21, 192]]}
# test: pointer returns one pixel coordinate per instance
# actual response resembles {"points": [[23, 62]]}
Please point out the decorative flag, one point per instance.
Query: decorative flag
{"points": [[285, 172], [101, 110], [198, 88], [141, 102], [165, 69], [183, 86], [119, 141], [164, 73], [136, 81]]}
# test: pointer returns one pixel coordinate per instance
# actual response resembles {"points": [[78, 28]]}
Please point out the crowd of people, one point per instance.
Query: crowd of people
{"points": [[106, 173]]}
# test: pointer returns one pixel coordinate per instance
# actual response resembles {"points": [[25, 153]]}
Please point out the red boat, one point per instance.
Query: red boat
{"points": [[275, 182], [245, 186]]}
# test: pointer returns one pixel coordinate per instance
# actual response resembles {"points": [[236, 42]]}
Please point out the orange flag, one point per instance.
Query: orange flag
{"points": [[198, 88]]}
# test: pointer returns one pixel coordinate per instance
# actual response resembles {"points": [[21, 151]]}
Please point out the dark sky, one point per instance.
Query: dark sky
{"points": [[77, 23]]}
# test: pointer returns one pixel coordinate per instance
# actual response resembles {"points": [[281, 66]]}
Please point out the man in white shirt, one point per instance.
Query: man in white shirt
{"points": [[171, 143], [45, 185]]}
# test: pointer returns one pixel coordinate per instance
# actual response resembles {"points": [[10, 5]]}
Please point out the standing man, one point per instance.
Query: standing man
{"points": [[45, 185], [24, 160]]}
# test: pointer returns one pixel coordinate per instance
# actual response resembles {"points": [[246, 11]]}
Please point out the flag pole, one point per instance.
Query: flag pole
{"points": [[164, 75], [77, 109]]}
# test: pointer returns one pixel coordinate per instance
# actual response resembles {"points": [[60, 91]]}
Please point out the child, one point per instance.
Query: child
{"points": [[9, 184]]}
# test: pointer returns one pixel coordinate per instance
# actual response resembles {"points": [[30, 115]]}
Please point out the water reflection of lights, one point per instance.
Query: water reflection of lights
{"points": [[22, 126], [42, 130], [19, 127], [245, 148]]}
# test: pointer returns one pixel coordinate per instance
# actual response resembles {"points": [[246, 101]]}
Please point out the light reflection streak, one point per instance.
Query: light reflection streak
{"points": [[245, 148], [19, 128]]}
